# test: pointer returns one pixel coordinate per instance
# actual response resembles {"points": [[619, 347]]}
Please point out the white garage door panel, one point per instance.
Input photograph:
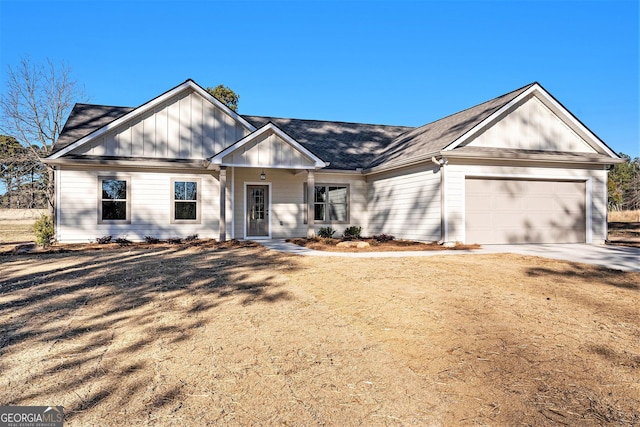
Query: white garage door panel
{"points": [[501, 211]]}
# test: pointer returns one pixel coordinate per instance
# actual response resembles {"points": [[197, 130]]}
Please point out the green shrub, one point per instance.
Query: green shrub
{"points": [[326, 232], [384, 237], [44, 231], [352, 232]]}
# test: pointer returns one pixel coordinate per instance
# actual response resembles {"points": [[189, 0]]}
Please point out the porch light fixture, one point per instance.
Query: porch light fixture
{"points": [[263, 176]]}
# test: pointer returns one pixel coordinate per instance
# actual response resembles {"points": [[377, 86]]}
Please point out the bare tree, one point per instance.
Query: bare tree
{"points": [[37, 101]]}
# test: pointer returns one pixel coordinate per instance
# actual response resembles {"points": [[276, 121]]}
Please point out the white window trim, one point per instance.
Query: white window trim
{"points": [[172, 218], [329, 221], [127, 179]]}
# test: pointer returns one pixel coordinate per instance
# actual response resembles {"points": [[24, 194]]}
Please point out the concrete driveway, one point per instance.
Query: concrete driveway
{"points": [[613, 257]]}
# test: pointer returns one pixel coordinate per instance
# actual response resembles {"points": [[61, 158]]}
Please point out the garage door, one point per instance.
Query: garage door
{"points": [[524, 211]]}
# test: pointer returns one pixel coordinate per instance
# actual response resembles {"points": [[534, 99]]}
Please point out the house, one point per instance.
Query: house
{"points": [[516, 169]]}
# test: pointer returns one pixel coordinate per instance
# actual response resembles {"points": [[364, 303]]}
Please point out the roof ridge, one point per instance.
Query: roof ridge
{"points": [[102, 105], [523, 88], [328, 121]]}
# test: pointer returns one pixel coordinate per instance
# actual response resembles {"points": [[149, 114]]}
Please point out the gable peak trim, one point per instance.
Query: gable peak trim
{"points": [[149, 106], [536, 89], [270, 126]]}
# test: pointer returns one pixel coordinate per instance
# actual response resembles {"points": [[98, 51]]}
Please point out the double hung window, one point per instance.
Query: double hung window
{"points": [[185, 204], [115, 198], [331, 203]]}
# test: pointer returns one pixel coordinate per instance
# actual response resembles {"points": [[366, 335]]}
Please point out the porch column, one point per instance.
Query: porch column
{"points": [[311, 183], [223, 204]]}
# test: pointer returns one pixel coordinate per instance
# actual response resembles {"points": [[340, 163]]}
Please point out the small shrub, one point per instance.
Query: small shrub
{"points": [[191, 238], [352, 232], [122, 241], [103, 240], [326, 232], [384, 237], [44, 231], [150, 239], [174, 240]]}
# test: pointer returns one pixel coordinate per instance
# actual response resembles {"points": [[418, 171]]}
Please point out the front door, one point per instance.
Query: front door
{"points": [[257, 210]]}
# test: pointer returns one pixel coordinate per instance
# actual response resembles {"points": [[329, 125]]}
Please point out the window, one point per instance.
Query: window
{"points": [[331, 203], [185, 206], [113, 205]]}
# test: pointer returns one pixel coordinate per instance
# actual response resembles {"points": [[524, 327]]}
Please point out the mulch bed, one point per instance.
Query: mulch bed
{"points": [[331, 245]]}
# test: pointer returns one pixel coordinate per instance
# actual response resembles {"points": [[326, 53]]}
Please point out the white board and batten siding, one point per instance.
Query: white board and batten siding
{"points": [[406, 203], [288, 210], [532, 126], [150, 206], [186, 126], [269, 150]]}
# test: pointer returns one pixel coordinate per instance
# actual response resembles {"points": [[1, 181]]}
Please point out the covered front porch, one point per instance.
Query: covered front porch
{"points": [[267, 181], [278, 206]]}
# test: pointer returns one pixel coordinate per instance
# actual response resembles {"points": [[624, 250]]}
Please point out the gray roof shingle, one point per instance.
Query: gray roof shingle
{"points": [[437, 135], [84, 119], [346, 146]]}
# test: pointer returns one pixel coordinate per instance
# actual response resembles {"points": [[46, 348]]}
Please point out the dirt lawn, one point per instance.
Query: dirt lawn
{"points": [[239, 335]]}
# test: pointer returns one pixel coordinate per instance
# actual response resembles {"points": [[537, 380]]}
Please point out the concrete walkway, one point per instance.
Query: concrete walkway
{"points": [[613, 257]]}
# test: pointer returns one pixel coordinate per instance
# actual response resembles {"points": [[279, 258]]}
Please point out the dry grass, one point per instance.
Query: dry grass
{"points": [[624, 216], [239, 335], [16, 225], [624, 233], [16, 231]]}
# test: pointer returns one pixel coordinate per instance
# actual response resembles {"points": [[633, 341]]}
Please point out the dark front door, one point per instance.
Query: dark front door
{"points": [[257, 210]]}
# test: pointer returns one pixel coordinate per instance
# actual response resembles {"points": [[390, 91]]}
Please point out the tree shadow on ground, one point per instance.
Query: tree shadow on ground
{"points": [[91, 316], [615, 278]]}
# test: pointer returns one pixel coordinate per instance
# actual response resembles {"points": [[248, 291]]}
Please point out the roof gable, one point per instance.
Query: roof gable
{"points": [[457, 130], [553, 106], [268, 147], [530, 125], [121, 127], [422, 142], [186, 123], [347, 146]]}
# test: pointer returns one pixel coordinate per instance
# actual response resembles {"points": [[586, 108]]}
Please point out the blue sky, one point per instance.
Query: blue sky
{"points": [[403, 63]]}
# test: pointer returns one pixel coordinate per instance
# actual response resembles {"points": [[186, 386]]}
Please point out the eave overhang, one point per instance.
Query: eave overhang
{"points": [[472, 153], [130, 162], [517, 156]]}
